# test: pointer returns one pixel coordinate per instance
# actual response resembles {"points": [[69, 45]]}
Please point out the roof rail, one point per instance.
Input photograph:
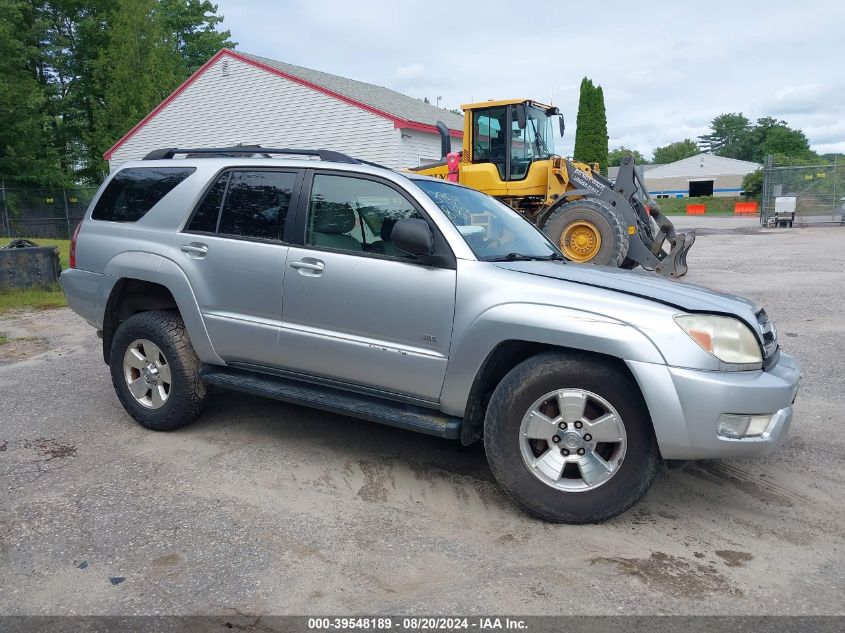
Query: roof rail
{"points": [[322, 154]]}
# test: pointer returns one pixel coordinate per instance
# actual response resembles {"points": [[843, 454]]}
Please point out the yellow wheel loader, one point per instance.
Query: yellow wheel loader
{"points": [[508, 152]]}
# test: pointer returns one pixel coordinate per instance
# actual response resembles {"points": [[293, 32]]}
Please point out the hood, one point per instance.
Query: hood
{"points": [[644, 284]]}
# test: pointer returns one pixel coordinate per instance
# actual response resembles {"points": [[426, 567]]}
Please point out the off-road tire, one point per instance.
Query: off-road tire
{"points": [[514, 396], [614, 236], [188, 392]]}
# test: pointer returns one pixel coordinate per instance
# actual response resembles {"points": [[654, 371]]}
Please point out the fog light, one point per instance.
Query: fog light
{"points": [[737, 426]]}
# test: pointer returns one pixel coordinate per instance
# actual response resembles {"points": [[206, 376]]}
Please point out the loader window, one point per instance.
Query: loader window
{"points": [[489, 140], [535, 142]]}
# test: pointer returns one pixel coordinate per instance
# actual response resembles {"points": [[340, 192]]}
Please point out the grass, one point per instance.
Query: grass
{"points": [[715, 205], [3, 338], [37, 298]]}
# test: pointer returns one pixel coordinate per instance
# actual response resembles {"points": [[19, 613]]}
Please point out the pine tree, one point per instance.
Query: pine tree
{"points": [[138, 68], [193, 25], [591, 126]]}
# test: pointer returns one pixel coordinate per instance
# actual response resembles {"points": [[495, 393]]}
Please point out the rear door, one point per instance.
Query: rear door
{"points": [[232, 250], [356, 309]]}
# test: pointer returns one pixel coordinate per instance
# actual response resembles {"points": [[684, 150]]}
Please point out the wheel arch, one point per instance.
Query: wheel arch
{"points": [[507, 355], [150, 282], [483, 355]]}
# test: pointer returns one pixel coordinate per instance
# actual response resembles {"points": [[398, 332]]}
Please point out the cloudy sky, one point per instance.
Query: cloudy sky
{"points": [[667, 68]]}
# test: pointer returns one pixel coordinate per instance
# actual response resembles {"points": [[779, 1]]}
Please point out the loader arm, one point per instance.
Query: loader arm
{"points": [[646, 246]]}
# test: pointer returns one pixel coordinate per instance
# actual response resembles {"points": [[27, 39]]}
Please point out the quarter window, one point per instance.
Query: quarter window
{"points": [[134, 191], [205, 218], [355, 215]]}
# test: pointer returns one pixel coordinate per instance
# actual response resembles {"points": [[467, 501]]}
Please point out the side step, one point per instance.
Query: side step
{"points": [[366, 407]]}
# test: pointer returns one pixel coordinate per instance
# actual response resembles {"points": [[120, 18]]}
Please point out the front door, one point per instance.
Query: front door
{"points": [[233, 253], [356, 309]]}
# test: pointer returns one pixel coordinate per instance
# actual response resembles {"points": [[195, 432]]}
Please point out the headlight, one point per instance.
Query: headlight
{"points": [[726, 338]]}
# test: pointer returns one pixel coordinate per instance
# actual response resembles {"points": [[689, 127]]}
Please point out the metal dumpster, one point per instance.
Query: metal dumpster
{"points": [[24, 264]]}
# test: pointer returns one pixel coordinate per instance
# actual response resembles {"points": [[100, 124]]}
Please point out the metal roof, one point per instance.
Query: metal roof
{"points": [[703, 165], [385, 99]]}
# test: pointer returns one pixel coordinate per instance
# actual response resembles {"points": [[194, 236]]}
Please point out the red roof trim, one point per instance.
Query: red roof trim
{"points": [[161, 105], [397, 121]]}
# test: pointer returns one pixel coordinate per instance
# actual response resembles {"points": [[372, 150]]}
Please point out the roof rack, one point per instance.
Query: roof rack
{"points": [[322, 154]]}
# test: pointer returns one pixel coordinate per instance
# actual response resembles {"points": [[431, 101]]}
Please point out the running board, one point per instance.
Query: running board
{"points": [[366, 407]]}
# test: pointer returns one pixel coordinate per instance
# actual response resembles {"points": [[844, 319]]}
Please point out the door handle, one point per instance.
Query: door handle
{"points": [[315, 266], [194, 249]]}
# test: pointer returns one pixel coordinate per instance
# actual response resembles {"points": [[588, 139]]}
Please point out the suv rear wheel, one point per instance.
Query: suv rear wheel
{"points": [[155, 371], [569, 438]]}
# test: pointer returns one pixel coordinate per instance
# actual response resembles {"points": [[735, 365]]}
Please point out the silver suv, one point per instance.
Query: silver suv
{"points": [[314, 278]]}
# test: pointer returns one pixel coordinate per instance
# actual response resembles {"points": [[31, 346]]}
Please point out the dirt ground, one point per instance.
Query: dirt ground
{"points": [[262, 507]]}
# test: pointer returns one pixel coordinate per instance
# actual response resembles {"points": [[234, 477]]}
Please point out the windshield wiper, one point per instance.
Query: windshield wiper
{"points": [[519, 257]]}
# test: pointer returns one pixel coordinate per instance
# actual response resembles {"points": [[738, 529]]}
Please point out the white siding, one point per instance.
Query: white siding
{"points": [[417, 148], [235, 102]]}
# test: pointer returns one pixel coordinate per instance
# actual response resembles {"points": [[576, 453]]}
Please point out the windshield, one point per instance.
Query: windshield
{"points": [[491, 229], [538, 137]]}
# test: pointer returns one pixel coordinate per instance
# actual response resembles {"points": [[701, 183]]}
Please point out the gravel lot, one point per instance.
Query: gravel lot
{"points": [[261, 507]]}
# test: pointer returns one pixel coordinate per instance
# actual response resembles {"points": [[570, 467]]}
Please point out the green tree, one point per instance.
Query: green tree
{"points": [[615, 156], [675, 151], [75, 53], [730, 136], [27, 146], [193, 25], [138, 68], [591, 126], [752, 184], [784, 140], [75, 33]]}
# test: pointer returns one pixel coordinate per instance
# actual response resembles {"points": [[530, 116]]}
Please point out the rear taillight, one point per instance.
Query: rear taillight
{"points": [[72, 255]]}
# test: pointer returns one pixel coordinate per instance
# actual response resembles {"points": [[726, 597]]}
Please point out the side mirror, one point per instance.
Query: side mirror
{"points": [[520, 116], [562, 124], [413, 236]]}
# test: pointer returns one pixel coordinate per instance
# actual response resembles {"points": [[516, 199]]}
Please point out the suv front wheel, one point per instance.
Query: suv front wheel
{"points": [[569, 438], [155, 371]]}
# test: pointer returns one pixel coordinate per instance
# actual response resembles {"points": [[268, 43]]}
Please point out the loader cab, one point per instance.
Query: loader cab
{"points": [[507, 146]]}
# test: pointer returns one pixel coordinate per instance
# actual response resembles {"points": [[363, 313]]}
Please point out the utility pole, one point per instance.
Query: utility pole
{"points": [[439, 99]]}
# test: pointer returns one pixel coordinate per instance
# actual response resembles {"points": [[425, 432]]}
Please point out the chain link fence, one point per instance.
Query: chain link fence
{"points": [[43, 213], [819, 192]]}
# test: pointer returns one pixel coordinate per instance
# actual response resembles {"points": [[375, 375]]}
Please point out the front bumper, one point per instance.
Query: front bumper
{"points": [[686, 404]]}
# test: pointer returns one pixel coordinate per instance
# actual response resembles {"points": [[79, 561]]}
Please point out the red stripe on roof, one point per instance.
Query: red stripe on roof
{"points": [[161, 105], [398, 122]]}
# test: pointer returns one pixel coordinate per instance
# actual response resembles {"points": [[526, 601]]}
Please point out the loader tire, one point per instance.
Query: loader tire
{"points": [[596, 234]]}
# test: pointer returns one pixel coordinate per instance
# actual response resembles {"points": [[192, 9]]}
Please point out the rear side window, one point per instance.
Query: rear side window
{"points": [[256, 204], [205, 218], [132, 192]]}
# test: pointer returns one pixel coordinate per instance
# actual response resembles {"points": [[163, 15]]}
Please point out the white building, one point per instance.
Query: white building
{"points": [[240, 98], [701, 175]]}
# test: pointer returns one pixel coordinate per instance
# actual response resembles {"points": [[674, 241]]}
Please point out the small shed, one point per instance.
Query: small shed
{"points": [[701, 175], [237, 98]]}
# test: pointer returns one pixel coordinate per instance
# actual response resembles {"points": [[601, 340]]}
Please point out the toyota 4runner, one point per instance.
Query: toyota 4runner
{"points": [[320, 280]]}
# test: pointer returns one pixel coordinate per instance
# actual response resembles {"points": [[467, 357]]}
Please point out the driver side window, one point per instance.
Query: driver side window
{"points": [[355, 215]]}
